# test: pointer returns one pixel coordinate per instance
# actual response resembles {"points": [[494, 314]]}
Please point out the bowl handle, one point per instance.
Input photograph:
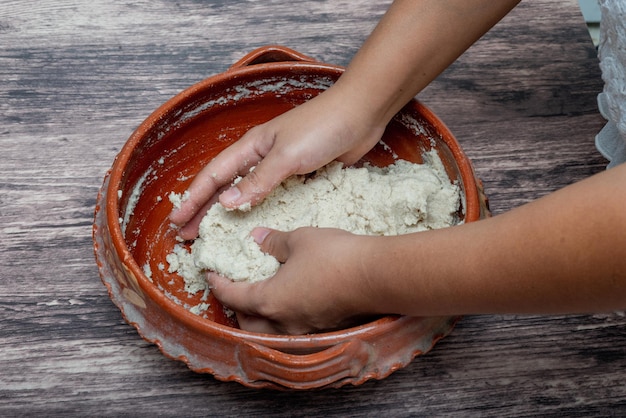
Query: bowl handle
{"points": [[269, 54], [304, 371]]}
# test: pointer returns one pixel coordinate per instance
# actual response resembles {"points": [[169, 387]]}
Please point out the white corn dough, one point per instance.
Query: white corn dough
{"points": [[398, 199]]}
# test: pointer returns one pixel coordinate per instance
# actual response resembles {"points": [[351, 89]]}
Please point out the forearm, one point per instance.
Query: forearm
{"points": [[413, 43], [563, 253]]}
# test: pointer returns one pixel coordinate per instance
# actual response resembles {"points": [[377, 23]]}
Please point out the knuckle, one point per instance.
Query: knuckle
{"points": [[266, 310], [254, 180], [253, 185]]}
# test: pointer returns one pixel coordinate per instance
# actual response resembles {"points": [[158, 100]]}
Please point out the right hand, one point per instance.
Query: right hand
{"points": [[328, 127]]}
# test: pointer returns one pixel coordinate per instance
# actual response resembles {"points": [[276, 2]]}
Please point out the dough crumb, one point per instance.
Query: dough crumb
{"points": [[177, 199]]}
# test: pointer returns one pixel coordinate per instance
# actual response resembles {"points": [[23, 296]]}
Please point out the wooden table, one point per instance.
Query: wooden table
{"points": [[77, 76]]}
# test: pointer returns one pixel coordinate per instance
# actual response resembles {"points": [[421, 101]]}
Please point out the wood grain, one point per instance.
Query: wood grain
{"points": [[76, 77]]}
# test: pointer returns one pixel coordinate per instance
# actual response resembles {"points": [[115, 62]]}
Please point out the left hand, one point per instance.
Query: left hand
{"points": [[319, 286]]}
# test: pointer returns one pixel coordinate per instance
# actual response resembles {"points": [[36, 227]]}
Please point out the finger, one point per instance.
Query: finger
{"points": [[256, 324], [258, 183], [191, 229], [235, 295], [272, 242], [221, 171]]}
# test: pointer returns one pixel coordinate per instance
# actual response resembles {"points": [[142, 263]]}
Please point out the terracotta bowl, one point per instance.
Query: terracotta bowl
{"points": [[132, 233]]}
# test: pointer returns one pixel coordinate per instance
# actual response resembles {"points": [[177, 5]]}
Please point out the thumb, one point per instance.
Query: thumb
{"points": [[272, 242]]}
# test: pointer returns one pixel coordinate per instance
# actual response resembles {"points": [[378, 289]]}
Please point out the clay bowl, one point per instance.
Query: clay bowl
{"points": [[132, 233]]}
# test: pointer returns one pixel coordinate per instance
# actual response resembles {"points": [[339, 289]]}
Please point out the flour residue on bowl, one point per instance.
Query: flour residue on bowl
{"points": [[132, 200], [402, 198], [177, 199], [276, 86]]}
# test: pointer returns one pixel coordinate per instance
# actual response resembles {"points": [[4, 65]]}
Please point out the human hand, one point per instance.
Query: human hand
{"points": [[299, 141], [320, 286]]}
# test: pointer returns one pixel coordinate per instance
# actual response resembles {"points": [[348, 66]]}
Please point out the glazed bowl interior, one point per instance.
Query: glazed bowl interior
{"points": [[184, 134]]}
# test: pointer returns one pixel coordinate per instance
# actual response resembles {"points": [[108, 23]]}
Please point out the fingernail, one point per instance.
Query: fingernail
{"points": [[259, 234], [210, 278], [231, 195]]}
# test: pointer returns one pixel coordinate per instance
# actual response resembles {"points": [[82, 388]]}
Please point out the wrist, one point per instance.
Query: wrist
{"points": [[376, 281], [407, 274]]}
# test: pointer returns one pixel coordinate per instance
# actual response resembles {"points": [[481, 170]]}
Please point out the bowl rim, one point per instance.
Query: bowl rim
{"points": [[203, 325]]}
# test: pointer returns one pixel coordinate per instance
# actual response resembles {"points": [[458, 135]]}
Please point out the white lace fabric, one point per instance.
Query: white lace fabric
{"points": [[611, 140]]}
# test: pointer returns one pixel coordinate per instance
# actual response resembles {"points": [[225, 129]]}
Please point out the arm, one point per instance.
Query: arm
{"points": [[563, 253], [414, 42]]}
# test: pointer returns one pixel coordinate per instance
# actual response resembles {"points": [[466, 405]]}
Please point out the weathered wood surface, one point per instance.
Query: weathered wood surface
{"points": [[76, 77]]}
